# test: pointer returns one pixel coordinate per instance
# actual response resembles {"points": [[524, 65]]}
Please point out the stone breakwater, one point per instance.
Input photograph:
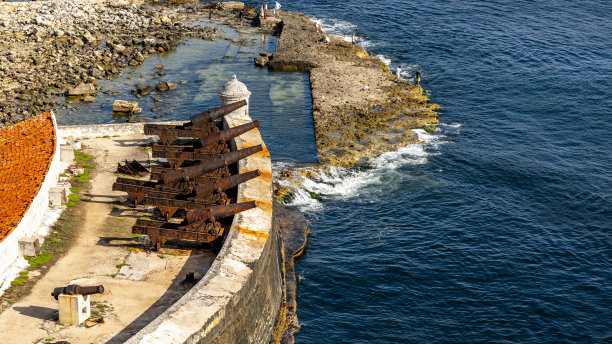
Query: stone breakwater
{"points": [[48, 48], [360, 108]]}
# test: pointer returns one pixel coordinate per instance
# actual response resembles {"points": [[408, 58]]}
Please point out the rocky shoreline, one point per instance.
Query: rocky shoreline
{"points": [[56, 48], [360, 108]]}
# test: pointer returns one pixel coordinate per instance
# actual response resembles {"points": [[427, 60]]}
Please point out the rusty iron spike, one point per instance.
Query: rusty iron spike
{"points": [[219, 212], [225, 183], [212, 114], [228, 134], [209, 165]]}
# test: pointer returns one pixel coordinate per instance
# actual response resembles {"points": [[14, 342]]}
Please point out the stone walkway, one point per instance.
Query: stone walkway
{"points": [[139, 285]]}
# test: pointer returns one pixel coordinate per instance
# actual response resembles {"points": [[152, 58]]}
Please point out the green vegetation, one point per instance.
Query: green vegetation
{"points": [[75, 189], [362, 167], [41, 259], [119, 266], [314, 195], [144, 218], [73, 198], [52, 248], [429, 128], [136, 236], [80, 156], [18, 281], [286, 198]]}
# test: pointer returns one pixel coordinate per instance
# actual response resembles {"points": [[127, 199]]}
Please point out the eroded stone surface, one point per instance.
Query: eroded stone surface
{"points": [[360, 108]]}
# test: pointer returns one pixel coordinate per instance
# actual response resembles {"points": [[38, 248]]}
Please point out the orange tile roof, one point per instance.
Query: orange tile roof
{"points": [[26, 150]]}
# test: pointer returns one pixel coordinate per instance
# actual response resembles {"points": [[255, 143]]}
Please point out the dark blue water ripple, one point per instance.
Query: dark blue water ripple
{"points": [[504, 235]]}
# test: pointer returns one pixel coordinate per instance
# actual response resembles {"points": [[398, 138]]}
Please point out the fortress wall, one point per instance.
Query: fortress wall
{"points": [[30, 224], [238, 300]]}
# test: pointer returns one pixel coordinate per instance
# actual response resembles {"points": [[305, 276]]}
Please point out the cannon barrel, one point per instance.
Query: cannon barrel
{"points": [[211, 164], [213, 114], [225, 183], [219, 212], [74, 289], [228, 134]]}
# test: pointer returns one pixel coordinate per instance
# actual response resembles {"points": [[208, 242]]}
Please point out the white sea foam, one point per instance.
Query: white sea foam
{"points": [[337, 182], [346, 30], [384, 59]]}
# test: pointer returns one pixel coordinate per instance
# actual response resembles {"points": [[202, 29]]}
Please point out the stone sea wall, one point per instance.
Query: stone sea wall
{"points": [[238, 300]]}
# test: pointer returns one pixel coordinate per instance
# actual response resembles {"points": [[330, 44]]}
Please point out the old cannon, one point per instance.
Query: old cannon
{"points": [[74, 305], [74, 289]]}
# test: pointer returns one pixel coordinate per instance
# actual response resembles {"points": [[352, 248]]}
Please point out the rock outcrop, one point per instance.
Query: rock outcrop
{"points": [[360, 108], [50, 47]]}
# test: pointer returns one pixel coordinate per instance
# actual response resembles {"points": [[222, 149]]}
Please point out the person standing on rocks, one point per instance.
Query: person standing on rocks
{"points": [[353, 39], [277, 7], [398, 72], [417, 77]]}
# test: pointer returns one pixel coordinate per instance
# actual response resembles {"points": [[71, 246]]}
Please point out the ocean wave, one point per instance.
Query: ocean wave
{"points": [[346, 30], [312, 185]]}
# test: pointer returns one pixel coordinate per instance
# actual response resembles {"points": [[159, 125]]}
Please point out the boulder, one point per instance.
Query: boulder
{"points": [[126, 106], [144, 90], [230, 5], [89, 99], [261, 61], [81, 90], [162, 86], [165, 86]]}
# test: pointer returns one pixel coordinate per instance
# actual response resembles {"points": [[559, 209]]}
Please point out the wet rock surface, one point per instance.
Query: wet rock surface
{"points": [[360, 108], [294, 231], [50, 49]]}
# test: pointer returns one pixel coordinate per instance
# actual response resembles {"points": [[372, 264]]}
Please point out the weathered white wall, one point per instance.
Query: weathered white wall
{"points": [[30, 224]]}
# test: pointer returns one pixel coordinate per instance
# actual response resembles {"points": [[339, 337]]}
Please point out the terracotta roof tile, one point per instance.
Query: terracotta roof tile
{"points": [[26, 150]]}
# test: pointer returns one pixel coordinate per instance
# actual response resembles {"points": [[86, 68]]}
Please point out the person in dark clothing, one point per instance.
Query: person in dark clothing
{"points": [[417, 77]]}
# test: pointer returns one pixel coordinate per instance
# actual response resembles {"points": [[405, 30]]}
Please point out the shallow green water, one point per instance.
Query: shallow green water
{"points": [[204, 66]]}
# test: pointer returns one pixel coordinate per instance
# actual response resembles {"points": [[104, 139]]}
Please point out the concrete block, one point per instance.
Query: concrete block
{"points": [[66, 153], [77, 170], [76, 144], [29, 247], [57, 196], [73, 309]]}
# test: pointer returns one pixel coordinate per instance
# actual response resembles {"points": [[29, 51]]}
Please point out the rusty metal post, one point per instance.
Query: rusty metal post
{"points": [[225, 183], [219, 211], [227, 134], [214, 113]]}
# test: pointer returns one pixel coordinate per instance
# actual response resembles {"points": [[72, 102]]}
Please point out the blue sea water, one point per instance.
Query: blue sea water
{"points": [[497, 229]]}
